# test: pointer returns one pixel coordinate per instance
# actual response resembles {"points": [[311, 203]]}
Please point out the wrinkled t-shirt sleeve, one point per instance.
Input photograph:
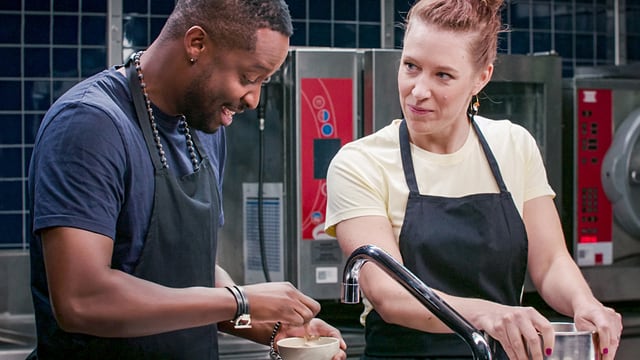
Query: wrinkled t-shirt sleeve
{"points": [[78, 165], [355, 187]]}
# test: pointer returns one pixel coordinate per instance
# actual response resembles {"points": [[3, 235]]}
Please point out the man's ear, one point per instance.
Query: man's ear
{"points": [[194, 42]]}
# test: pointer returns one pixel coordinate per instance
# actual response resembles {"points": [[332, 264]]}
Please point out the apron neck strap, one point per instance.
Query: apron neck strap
{"points": [[141, 112], [407, 162]]}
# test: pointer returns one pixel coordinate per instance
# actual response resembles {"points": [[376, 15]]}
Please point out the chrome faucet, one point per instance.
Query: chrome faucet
{"points": [[351, 295]]}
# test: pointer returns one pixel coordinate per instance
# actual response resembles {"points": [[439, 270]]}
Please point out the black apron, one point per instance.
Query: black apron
{"points": [[472, 246], [179, 251], [180, 246]]}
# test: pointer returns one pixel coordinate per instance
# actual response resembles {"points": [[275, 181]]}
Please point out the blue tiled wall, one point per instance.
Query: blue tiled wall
{"points": [[580, 31], [46, 46]]}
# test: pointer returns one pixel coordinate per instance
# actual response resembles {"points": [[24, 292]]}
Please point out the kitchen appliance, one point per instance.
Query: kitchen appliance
{"points": [[602, 110], [527, 91], [319, 100], [606, 227]]}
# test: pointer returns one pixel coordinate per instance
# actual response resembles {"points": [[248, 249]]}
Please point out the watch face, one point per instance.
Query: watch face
{"points": [[242, 322]]}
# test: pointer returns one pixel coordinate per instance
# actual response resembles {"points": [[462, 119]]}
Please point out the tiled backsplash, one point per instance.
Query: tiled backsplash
{"points": [[46, 46]]}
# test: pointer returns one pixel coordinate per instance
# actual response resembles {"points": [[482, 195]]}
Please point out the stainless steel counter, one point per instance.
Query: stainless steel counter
{"points": [[232, 347], [14, 354], [17, 336]]}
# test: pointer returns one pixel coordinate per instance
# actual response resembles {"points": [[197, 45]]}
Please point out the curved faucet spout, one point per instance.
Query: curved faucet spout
{"points": [[351, 295]]}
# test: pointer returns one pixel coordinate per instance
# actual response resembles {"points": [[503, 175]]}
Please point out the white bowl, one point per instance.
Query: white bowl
{"points": [[297, 348]]}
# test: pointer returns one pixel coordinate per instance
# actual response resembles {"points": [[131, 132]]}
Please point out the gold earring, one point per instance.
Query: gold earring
{"points": [[475, 105]]}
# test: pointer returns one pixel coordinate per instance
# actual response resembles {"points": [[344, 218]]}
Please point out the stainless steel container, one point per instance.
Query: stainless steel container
{"points": [[571, 344]]}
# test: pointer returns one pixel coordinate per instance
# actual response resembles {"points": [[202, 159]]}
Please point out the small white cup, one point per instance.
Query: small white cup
{"points": [[298, 348]]}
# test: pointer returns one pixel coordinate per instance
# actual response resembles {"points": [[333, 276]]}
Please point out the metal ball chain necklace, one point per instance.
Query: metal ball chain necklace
{"points": [[182, 125]]}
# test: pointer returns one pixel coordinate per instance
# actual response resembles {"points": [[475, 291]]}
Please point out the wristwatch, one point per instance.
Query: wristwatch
{"points": [[242, 318]]}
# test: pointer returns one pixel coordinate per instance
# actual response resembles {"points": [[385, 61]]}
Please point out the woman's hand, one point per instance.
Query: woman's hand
{"points": [[316, 327], [605, 321], [522, 331]]}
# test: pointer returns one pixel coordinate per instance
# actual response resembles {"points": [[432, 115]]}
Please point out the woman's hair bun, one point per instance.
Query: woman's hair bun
{"points": [[494, 5]]}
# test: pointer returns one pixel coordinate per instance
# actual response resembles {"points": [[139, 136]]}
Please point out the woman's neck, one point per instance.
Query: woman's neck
{"points": [[447, 141]]}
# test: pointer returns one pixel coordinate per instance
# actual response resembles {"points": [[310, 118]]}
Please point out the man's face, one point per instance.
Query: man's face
{"points": [[231, 80]]}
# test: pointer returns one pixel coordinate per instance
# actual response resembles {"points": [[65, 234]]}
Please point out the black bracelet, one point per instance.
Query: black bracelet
{"points": [[242, 318], [272, 350], [237, 297], [244, 299]]}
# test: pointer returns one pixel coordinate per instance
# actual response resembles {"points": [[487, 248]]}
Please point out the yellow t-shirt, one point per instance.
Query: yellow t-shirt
{"points": [[366, 176]]}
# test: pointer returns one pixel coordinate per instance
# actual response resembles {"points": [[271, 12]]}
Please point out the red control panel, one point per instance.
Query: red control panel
{"points": [[326, 123], [594, 216]]}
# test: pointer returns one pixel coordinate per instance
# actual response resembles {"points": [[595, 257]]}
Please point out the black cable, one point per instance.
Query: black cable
{"points": [[261, 115]]}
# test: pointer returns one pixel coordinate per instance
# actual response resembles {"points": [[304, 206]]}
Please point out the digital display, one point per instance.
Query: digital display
{"points": [[323, 151]]}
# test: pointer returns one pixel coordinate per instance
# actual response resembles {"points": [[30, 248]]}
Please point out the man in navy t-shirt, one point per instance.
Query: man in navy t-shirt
{"points": [[124, 186]]}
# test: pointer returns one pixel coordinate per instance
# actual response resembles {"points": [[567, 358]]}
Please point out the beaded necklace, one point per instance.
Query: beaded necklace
{"points": [[183, 127]]}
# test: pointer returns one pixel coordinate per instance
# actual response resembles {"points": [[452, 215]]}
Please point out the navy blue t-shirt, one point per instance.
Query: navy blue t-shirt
{"points": [[91, 169]]}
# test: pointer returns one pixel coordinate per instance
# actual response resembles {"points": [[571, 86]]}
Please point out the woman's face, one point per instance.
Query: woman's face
{"points": [[436, 79]]}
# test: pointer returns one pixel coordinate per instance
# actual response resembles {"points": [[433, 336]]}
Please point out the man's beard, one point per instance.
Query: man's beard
{"points": [[192, 106]]}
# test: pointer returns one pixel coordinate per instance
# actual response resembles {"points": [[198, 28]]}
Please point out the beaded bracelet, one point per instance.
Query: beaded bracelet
{"points": [[273, 354]]}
